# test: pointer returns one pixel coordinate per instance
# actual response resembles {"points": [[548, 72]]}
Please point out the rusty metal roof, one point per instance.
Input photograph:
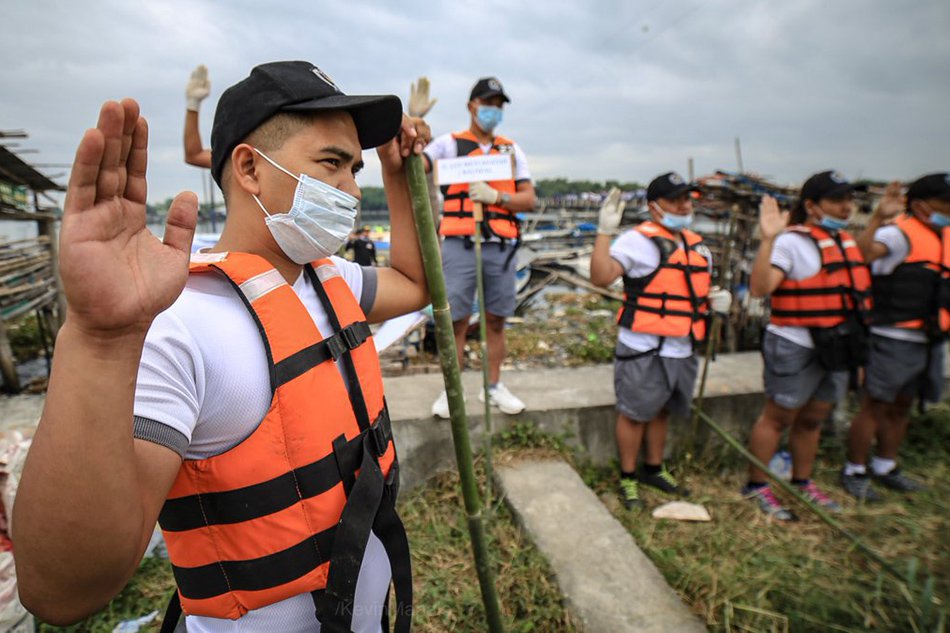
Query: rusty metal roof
{"points": [[16, 171]]}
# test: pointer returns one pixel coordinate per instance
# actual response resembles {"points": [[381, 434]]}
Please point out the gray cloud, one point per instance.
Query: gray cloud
{"points": [[600, 90]]}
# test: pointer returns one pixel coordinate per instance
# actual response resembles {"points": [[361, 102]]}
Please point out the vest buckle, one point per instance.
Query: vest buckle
{"points": [[336, 346], [381, 433], [350, 337]]}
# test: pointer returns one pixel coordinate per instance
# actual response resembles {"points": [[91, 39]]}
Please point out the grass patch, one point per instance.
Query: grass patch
{"points": [[744, 573], [446, 591]]}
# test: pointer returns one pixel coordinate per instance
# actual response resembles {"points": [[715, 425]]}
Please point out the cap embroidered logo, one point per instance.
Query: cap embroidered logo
{"points": [[837, 177], [676, 179], [494, 84], [325, 77]]}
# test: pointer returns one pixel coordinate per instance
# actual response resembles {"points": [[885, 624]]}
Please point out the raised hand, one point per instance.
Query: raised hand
{"points": [[419, 102], [117, 276], [611, 212], [892, 203], [772, 220], [198, 88]]}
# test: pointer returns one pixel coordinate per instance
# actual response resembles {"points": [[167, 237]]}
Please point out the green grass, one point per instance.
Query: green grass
{"points": [[744, 573], [446, 591]]}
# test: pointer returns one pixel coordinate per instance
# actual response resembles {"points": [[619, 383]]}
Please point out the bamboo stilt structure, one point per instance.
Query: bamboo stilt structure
{"points": [[448, 358]]}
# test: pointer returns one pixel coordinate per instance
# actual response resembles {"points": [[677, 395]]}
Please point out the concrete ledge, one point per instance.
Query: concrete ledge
{"points": [[609, 584], [578, 401]]}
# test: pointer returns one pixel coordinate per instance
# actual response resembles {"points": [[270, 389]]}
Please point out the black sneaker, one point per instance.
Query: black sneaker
{"points": [[664, 482], [859, 487], [896, 480], [630, 494]]}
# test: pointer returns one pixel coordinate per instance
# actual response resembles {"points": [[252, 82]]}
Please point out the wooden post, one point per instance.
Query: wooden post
{"points": [[11, 381], [47, 227]]}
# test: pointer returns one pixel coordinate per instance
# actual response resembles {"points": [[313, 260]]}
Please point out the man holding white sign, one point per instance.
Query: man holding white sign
{"points": [[502, 199]]}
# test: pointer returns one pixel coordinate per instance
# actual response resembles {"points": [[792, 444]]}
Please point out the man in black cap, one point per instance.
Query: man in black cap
{"points": [[364, 251], [665, 269], [910, 266], [502, 200], [246, 393]]}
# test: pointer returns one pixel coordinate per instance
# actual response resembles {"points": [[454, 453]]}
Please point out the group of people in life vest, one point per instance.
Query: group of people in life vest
{"points": [[235, 396], [875, 308]]}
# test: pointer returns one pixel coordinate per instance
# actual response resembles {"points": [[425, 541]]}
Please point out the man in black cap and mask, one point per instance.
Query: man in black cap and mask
{"points": [[910, 268], [241, 405], [502, 200]]}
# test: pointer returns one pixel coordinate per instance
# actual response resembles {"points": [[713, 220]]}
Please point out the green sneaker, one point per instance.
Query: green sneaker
{"points": [[663, 481], [630, 494]]}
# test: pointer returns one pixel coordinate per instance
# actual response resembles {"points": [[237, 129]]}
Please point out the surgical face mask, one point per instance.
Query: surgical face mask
{"points": [[318, 222], [676, 222], [832, 224], [488, 117], [940, 220]]}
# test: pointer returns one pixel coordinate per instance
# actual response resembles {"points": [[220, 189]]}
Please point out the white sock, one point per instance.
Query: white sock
{"points": [[882, 466], [850, 468]]}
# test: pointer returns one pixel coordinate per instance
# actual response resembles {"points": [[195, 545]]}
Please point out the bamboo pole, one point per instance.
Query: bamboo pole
{"points": [[790, 489], [448, 357], [483, 344]]}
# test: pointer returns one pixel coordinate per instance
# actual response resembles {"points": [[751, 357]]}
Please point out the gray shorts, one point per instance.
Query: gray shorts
{"points": [[899, 368], [650, 383], [793, 376], [458, 265]]}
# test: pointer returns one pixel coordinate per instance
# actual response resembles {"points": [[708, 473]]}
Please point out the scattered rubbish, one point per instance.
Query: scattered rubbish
{"points": [[682, 511], [781, 465], [134, 626], [14, 618]]}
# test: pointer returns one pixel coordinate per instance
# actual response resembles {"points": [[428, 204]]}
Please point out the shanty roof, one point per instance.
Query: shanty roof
{"points": [[17, 172]]}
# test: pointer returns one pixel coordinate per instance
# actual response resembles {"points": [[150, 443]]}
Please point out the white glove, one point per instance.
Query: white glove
{"points": [[198, 88], [611, 212], [483, 192], [755, 307], [720, 300], [419, 102]]}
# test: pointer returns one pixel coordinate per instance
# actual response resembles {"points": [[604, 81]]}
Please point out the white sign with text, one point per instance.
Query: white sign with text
{"points": [[451, 171]]}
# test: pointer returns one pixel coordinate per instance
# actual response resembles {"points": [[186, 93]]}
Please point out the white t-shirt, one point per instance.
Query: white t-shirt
{"points": [[798, 257], [639, 257], [445, 147], [204, 374], [898, 248]]}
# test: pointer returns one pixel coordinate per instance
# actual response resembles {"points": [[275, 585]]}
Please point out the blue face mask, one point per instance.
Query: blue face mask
{"points": [[676, 222], [939, 220], [488, 117], [833, 224], [317, 223]]}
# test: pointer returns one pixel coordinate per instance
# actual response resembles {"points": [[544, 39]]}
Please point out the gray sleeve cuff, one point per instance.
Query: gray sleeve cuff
{"points": [[161, 434], [368, 295]]}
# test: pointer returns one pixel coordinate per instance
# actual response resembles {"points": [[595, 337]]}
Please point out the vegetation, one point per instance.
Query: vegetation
{"points": [[550, 187]]}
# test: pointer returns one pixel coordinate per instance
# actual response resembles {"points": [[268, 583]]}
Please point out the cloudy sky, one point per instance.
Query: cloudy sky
{"points": [[600, 89]]}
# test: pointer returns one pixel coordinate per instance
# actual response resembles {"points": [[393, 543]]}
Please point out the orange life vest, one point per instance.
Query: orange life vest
{"points": [[916, 295], [841, 289], [672, 301], [289, 509], [458, 210]]}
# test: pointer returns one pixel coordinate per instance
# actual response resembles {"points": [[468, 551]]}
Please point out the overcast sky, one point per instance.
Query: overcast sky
{"points": [[602, 90]]}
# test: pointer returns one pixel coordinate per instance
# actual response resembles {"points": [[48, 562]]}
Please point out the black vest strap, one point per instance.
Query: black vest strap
{"points": [[353, 382]]}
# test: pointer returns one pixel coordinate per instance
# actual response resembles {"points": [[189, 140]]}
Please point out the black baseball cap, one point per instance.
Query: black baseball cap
{"points": [[669, 185], [295, 87], [929, 187], [488, 87], [828, 184]]}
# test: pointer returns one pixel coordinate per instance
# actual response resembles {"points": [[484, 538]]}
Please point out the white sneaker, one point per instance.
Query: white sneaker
{"points": [[503, 399], [440, 408]]}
